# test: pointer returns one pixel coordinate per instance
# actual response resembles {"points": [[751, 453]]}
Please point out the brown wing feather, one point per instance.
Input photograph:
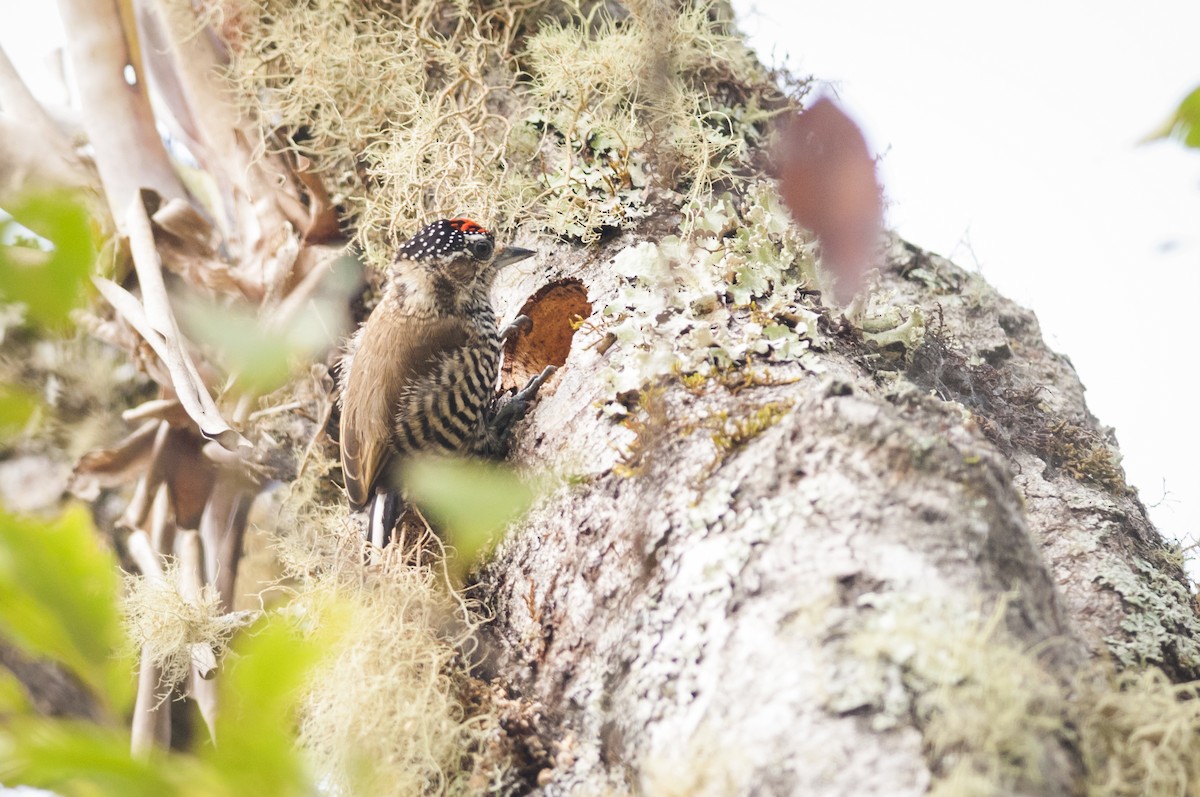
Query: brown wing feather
{"points": [[394, 351]]}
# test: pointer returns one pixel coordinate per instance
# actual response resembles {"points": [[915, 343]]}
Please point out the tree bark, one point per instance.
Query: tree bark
{"points": [[760, 619]]}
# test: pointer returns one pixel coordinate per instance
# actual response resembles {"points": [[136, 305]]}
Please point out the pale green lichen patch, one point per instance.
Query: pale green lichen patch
{"points": [[674, 93], [1162, 627], [560, 116], [1138, 736], [592, 181], [986, 709], [731, 294], [995, 721], [733, 433], [885, 323], [404, 633]]}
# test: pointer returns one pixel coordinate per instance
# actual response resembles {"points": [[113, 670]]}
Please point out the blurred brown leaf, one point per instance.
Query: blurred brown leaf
{"points": [[176, 460], [188, 245], [828, 182], [188, 474], [321, 223], [110, 467]]}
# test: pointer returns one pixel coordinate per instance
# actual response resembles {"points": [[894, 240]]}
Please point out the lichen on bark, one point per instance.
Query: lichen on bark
{"points": [[832, 603]]}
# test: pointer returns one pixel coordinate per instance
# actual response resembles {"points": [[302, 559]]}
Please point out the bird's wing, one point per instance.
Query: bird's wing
{"points": [[393, 352]]}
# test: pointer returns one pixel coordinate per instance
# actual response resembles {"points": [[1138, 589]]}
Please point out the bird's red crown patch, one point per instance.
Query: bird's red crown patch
{"points": [[466, 226]]}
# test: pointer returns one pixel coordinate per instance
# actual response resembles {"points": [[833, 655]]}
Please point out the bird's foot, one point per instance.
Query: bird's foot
{"points": [[511, 409], [521, 325]]}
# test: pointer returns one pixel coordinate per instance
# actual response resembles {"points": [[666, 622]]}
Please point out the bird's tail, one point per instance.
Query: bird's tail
{"points": [[383, 512]]}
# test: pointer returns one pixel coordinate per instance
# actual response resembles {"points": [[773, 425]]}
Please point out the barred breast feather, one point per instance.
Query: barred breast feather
{"points": [[404, 353]]}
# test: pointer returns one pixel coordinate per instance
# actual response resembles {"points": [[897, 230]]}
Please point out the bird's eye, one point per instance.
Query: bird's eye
{"points": [[481, 249]]}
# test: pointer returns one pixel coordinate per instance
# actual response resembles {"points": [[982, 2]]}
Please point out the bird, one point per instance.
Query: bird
{"points": [[419, 374]]}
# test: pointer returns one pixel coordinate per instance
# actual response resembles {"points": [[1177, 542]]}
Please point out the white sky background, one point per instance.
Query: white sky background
{"points": [[1008, 134]]}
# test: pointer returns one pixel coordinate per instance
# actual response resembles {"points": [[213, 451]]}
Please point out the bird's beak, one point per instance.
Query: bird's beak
{"points": [[511, 254]]}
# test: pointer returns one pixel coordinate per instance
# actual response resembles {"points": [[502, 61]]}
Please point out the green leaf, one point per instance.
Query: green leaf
{"points": [[1183, 125], [49, 282], [1187, 120], [255, 752], [260, 360], [471, 501], [17, 406], [79, 758], [13, 698], [263, 359], [260, 687], [58, 599]]}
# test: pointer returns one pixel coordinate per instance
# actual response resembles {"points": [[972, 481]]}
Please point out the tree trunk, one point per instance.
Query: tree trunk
{"points": [[893, 582]]}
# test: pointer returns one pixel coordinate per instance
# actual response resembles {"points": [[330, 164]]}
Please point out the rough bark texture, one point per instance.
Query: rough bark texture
{"points": [[696, 615]]}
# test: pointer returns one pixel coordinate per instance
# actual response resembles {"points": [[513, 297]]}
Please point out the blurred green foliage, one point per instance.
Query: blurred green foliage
{"points": [[81, 758], [260, 360], [58, 590], [1184, 124], [255, 751], [59, 593], [17, 406], [13, 699], [49, 281], [60, 586], [263, 359], [46, 275], [470, 501]]}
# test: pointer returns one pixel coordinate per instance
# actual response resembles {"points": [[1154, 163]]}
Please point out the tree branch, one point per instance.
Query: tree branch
{"points": [[154, 321], [117, 117], [19, 103]]}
